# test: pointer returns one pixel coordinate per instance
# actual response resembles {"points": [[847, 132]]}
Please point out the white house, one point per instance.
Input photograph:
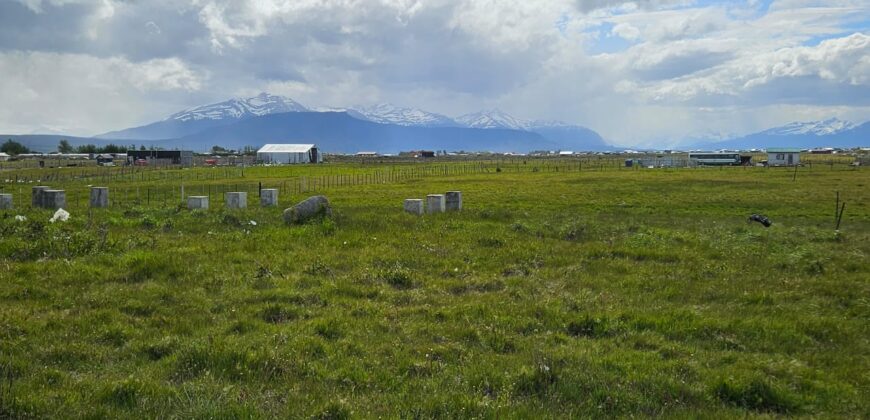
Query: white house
{"points": [[289, 153], [783, 157], [3, 157]]}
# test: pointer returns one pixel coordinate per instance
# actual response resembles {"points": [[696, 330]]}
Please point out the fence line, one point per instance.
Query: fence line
{"points": [[175, 186]]}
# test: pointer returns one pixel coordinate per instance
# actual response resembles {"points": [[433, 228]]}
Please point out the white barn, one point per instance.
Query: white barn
{"points": [[289, 153]]}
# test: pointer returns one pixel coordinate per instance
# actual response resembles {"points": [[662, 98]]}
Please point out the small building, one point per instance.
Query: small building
{"points": [[566, 153], [289, 153], [783, 156], [154, 157], [367, 154], [104, 159], [3, 157]]}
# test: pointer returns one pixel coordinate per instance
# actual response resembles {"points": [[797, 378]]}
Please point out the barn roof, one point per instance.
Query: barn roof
{"points": [[285, 148]]}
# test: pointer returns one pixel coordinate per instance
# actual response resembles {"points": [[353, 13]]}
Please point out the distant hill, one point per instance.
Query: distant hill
{"points": [[340, 132], [804, 135]]}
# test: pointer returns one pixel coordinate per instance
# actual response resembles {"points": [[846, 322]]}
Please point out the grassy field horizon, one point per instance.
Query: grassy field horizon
{"points": [[577, 293]]}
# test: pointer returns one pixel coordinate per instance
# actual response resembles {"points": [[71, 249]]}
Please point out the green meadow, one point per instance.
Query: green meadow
{"points": [[584, 292]]}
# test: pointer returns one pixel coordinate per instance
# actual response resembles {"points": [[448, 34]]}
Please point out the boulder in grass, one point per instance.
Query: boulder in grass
{"points": [[308, 209]]}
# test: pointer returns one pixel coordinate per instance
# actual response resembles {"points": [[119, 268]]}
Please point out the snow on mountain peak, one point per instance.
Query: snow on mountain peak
{"points": [[819, 128], [392, 114], [493, 118], [238, 108]]}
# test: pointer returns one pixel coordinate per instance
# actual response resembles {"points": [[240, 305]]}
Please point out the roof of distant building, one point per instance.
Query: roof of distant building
{"points": [[285, 148]]}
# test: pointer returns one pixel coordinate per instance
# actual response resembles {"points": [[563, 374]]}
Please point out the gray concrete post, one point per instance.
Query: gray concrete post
{"points": [[5, 201], [268, 197], [454, 200], [36, 196], [236, 200], [197, 202], [53, 199], [99, 197], [435, 203], [414, 206]]}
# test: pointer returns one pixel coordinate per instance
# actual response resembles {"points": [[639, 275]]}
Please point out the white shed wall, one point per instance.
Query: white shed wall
{"points": [[272, 157], [783, 158]]}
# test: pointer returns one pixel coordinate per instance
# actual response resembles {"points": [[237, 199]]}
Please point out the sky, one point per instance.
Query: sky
{"points": [[640, 73]]}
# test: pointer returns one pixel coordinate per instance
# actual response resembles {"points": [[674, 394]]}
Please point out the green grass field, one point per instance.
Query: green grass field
{"points": [[595, 293]]}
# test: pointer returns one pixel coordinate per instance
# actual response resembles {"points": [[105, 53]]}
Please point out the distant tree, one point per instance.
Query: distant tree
{"points": [[112, 148], [142, 147], [13, 148], [87, 148], [218, 150], [249, 150], [131, 147], [64, 147]]}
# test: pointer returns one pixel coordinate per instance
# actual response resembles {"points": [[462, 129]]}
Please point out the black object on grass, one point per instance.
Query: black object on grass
{"points": [[760, 219]]}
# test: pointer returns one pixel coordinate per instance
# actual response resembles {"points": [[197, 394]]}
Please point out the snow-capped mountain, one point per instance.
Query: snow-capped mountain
{"points": [[493, 118], [819, 128], [238, 108], [391, 114], [832, 132], [268, 117]]}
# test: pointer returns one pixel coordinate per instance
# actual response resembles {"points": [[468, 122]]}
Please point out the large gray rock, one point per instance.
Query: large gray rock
{"points": [[307, 209]]}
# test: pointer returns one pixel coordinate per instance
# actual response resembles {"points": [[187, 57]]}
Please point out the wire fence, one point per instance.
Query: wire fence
{"points": [[130, 187]]}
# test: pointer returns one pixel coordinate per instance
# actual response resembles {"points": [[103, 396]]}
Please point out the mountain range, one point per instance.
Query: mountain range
{"points": [[267, 118], [387, 128], [832, 132]]}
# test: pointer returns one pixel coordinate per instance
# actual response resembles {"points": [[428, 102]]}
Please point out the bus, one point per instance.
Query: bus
{"points": [[714, 158]]}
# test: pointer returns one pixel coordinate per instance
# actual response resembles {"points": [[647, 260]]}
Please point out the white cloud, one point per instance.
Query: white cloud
{"points": [[81, 94], [841, 60], [626, 31], [530, 58]]}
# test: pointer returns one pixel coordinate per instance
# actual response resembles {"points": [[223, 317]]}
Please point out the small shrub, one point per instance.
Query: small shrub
{"points": [[536, 381], [490, 242], [148, 222], [333, 411], [519, 227], [276, 314], [317, 268], [123, 394], [159, 350], [114, 336], [231, 220], [757, 395], [590, 327], [242, 327], [499, 343], [330, 330], [397, 276], [572, 232]]}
